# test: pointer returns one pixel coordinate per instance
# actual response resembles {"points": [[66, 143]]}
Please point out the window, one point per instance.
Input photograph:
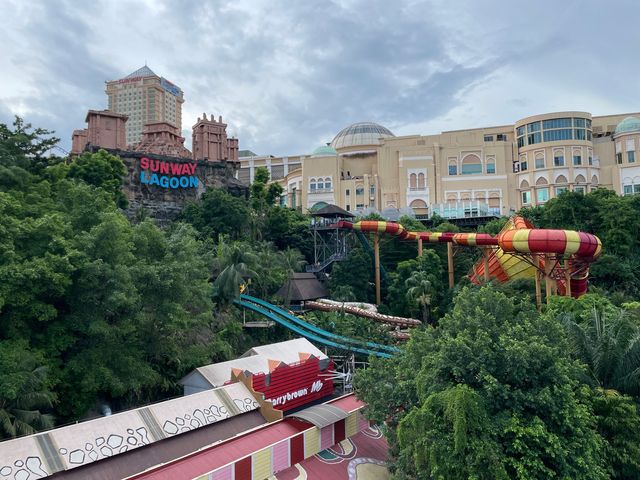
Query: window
{"points": [[577, 159], [579, 122], [588, 123], [523, 166], [526, 197], [372, 190], [580, 134], [348, 207], [636, 189], [491, 167], [559, 190], [579, 189], [542, 194], [347, 193], [539, 162], [619, 158], [327, 183], [533, 138], [501, 137], [533, 127], [558, 160], [313, 185], [556, 135], [628, 189], [590, 160], [520, 131], [488, 138], [413, 181], [360, 205], [631, 157], [453, 169], [421, 182], [471, 165], [557, 123], [359, 190], [320, 184], [521, 142]]}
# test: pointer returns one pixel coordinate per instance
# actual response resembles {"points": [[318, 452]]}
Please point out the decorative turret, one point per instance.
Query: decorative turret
{"points": [[210, 141]]}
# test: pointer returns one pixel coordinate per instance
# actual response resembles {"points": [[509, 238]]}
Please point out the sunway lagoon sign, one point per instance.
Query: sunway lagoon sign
{"points": [[168, 174]]}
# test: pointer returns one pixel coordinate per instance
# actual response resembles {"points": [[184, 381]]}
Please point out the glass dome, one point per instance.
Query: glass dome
{"points": [[363, 133], [324, 151], [629, 124]]}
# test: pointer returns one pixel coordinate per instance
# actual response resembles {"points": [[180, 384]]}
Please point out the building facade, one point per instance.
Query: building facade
{"points": [[145, 98], [484, 171]]}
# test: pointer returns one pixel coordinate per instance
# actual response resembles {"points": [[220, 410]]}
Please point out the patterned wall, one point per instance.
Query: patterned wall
{"points": [[40, 455]]}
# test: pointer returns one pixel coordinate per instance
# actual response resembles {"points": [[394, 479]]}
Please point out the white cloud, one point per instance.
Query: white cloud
{"points": [[288, 76]]}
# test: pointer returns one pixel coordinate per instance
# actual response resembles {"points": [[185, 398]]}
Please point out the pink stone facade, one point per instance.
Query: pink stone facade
{"points": [[210, 141], [162, 138], [107, 130]]}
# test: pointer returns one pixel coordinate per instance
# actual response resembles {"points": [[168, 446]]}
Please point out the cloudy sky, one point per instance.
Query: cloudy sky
{"points": [[287, 76]]}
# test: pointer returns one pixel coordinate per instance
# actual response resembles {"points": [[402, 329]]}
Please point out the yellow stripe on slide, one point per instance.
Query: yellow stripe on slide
{"points": [[521, 241], [573, 241]]}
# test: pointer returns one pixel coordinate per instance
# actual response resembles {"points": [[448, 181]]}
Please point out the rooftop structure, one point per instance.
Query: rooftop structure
{"points": [[145, 97]]}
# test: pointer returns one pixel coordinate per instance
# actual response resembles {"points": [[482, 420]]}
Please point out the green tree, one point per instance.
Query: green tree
{"points": [[420, 291], [609, 345], [25, 394], [101, 170], [219, 213], [491, 393]]}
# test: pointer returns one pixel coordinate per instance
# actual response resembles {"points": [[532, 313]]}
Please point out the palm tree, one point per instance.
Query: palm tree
{"points": [[609, 346], [21, 414], [291, 261], [420, 291], [232, 266]]}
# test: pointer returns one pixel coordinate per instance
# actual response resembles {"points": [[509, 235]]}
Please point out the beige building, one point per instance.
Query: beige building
{"points": [[145, 98], [461, 173]]}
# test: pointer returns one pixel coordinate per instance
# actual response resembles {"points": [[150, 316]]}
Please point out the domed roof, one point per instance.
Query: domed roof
{"points": [[363, 133], [629, 124], [324, 151]]}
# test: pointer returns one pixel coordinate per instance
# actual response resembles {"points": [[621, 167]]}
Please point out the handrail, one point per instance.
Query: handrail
{"points": [[306, 334], [313, 328]]}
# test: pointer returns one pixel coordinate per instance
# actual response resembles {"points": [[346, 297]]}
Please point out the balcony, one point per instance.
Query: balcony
{"points": [[464, 209]]}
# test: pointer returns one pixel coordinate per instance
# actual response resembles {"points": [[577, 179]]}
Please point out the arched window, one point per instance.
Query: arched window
{"points": [[525, 193], [539, 160], [542, 190], [494, 202], [491, 166], [558, 158], [471, 165], [465, 196], [419, 207], [580, 179], [413, 181], [561, 179], [594, 181], [327, 183], [313, 186], [421, 182], [453, 167]]}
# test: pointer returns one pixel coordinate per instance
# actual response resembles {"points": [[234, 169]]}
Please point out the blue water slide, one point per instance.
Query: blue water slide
{"points": [[318, 331], [303, 333]]}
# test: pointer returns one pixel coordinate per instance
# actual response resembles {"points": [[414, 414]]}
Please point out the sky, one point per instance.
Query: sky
{"points": [[288, 75]]}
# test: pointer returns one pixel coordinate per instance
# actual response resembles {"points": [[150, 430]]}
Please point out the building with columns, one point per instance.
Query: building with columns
{"points": [[475, 172]]}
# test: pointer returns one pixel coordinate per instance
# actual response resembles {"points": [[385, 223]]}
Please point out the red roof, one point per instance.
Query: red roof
{"points": [[214, 457], [348, 403]]}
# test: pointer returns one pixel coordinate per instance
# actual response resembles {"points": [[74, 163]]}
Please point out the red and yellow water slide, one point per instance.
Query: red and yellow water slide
{"points": [[518, 251]]}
